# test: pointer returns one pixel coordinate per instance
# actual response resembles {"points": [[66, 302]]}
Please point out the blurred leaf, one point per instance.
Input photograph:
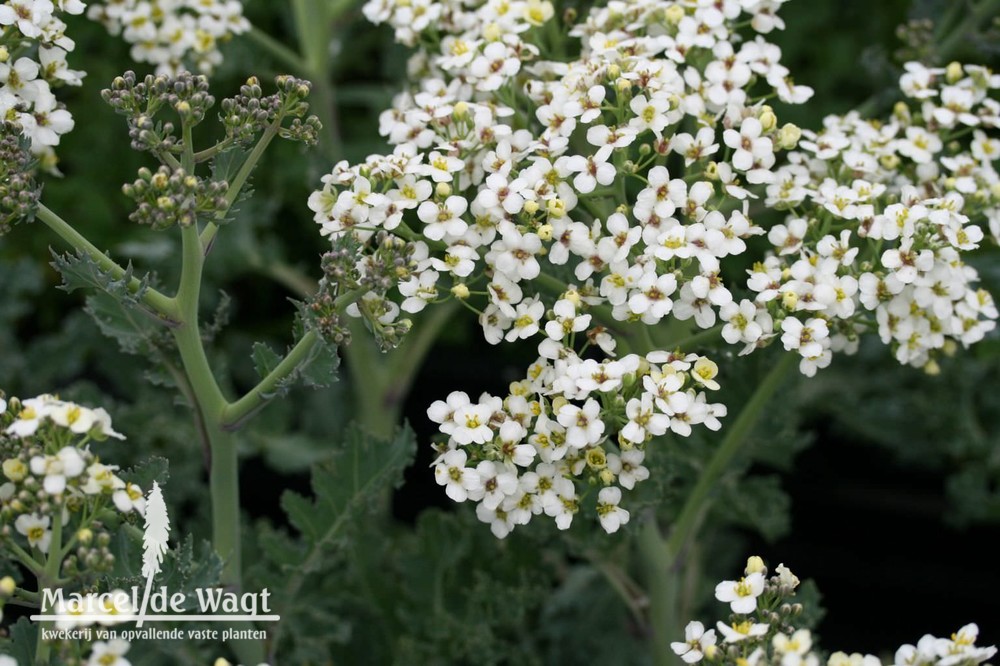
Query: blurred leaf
{"points": [[24, 635], [760, 503]]}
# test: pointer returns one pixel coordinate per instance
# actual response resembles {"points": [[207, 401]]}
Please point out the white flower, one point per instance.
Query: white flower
{"points": [[460, 482], [697, 643], [799, 643], [741, 595], [740, 631], [526, 317], [566, 322], [584, 426], [443, 218], [109, 653], [611, 515], [628, 467], [754, 154], [807, 338], [130, 498], [36, 529], [498, 482], [57, 469]]}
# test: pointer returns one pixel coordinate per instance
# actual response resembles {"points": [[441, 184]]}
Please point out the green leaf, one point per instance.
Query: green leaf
{"points": [[320, 369], [115, 306], [24, 635], [186, 569], [131, 326], [346, 487], [317, 370], [80, 271], [151, 469], [264, 358], [227, 164]]}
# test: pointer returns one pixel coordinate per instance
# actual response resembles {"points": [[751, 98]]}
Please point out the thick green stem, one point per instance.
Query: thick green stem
{"points": [[225, 491], [209, 406], [662, 588], [664, 558], [696, 503], [241, 177], [160, 304]]}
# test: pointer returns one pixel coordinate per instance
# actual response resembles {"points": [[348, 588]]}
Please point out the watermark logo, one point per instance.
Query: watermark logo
{"points": [[74, 614]]}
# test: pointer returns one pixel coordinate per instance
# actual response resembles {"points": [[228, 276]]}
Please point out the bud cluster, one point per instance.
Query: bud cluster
{"points": [[169, 197], [142, 100], [19, 190], [346, 269], [245, 115]]}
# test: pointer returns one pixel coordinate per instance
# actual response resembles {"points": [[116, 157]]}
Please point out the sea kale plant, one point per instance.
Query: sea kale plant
{"points": [[611, 191]]}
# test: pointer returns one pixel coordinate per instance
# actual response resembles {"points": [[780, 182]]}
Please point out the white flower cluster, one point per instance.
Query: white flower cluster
{"points": [[173, 33], [542, 187], [533, 451], [761, 633], [46, 459], [587, 199], [32, 62], [879, 218]]}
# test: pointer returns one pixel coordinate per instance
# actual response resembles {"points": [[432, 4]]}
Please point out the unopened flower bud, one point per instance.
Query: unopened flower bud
{"points": [[755, 565], [530, 207], [558, 403], [645, 149], [623, 85], [596, 458], [14, 469], [673, 14], [768, 121], [890, 161], [556, 207], [789, 300], [712, 171], [443, 189], [954, 72], [901, 111], [606, 476], [460, 291], [545, 232], [4, 54], [84, 536], [492, 32], [614, 71], [461, 110], [573, 296], [788, 136], [222, 662], [950, 348], [7, 586]]}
